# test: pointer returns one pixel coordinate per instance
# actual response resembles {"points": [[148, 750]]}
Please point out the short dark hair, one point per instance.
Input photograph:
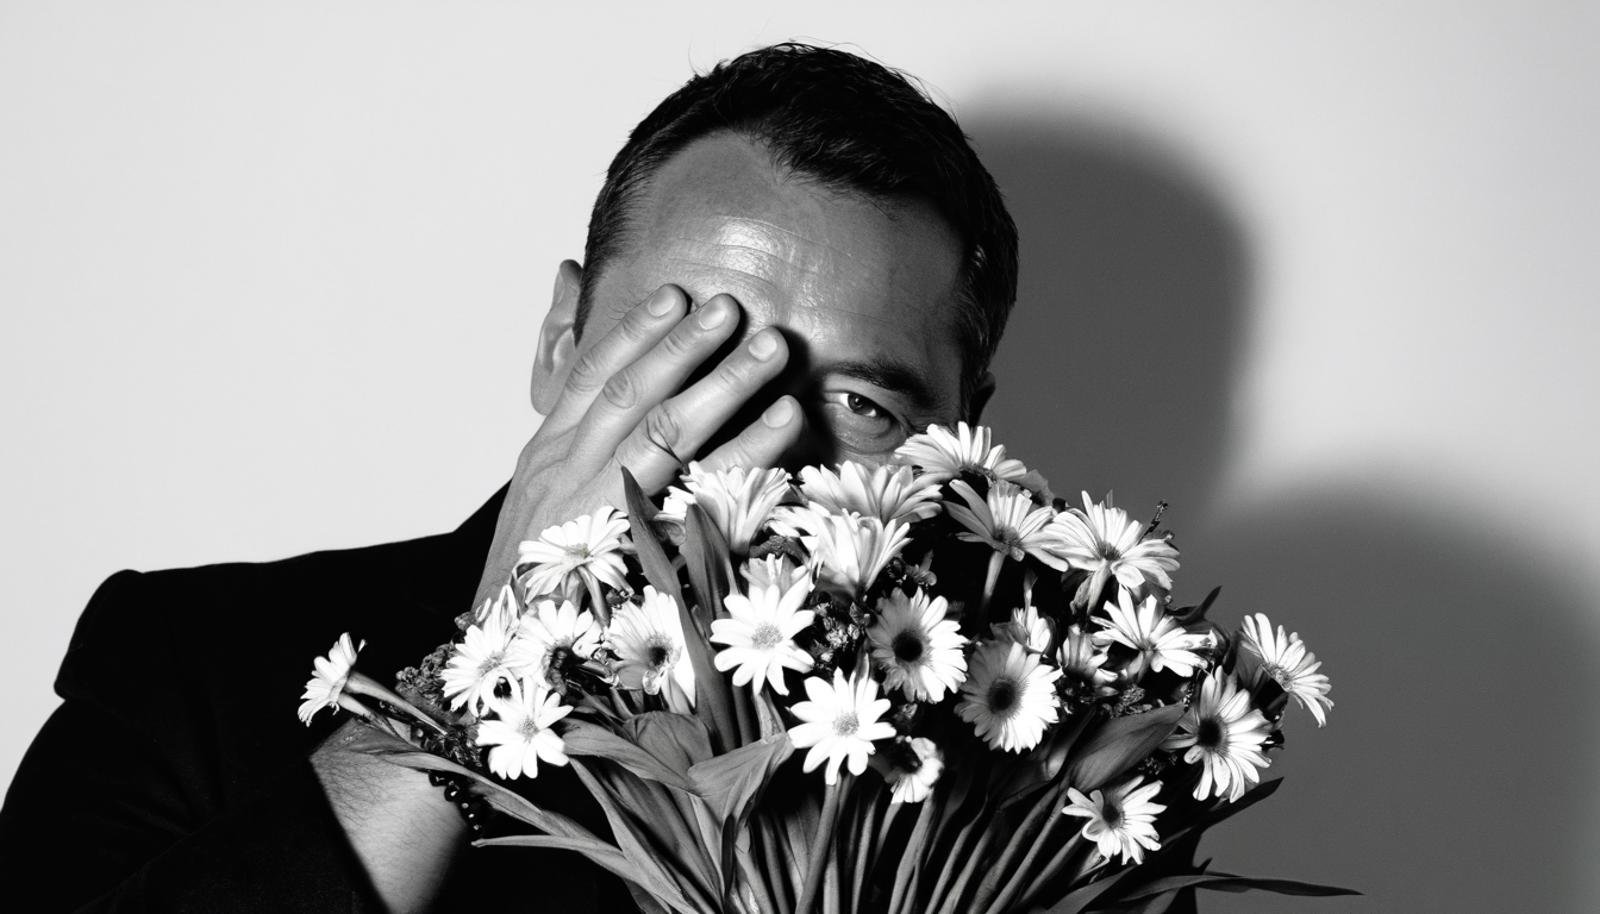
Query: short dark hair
{"points": [[852, 124]]}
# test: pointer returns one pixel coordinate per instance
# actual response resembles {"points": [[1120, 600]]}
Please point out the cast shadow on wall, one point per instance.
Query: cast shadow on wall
{"points": [[1454, 773]]}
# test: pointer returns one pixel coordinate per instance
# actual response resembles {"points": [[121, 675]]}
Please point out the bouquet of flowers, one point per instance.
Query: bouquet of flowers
{"points": [[926, 686]]}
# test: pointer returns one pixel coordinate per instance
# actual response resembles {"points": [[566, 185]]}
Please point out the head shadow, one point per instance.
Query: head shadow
{"points": [[1454, 773], [1133, 285]]}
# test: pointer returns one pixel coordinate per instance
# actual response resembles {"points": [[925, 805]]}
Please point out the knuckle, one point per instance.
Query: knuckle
{"points": [[677, 345], [620, 390], [633, 328], [587, 374], [732, 378]]}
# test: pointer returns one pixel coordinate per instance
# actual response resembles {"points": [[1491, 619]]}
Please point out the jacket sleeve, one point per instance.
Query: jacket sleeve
{"points": [[121, 803]]}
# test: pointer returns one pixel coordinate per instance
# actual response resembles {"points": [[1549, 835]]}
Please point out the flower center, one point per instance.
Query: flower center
{"points": [[559, 657], [1278, 674], [907, 647], [528, 729], [1109, 552], [1002, 696], [659, 653], [767, 636], [1111, 814], [1210, 735], [846, 724], [491, 663]]}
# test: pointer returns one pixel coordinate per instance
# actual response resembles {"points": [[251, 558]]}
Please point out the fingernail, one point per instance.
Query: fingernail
{"points": [[661, 302], [778, 414], [764, 344], [713, 314]]}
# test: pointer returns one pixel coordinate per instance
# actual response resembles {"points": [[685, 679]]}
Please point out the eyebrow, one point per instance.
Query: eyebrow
{"points": [[890, 375]]}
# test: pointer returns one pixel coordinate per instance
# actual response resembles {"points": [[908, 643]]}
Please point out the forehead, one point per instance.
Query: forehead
{"points": [[851, 278]]}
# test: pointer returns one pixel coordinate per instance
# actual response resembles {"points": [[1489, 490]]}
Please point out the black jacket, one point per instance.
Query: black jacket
{"points": [[174, 776]]}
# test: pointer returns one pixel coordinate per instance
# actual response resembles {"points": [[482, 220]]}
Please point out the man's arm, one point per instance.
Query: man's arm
{"points": [[398, 824]]}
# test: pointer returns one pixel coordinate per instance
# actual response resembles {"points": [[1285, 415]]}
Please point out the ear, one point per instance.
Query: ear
{"points": [[980, 397], [558, 339]]}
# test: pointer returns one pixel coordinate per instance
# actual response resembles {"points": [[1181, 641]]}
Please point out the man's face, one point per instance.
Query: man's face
{"points": [[865, 290]]}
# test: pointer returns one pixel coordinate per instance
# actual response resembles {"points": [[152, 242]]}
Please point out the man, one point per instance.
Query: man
{"points": [[795, 258]]}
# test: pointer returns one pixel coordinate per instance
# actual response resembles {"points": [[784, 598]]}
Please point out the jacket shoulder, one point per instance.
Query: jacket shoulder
{"points": [[231, 641]]}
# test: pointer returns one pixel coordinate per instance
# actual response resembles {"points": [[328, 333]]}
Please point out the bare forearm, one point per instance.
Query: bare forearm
{"points": [[399, 825]]}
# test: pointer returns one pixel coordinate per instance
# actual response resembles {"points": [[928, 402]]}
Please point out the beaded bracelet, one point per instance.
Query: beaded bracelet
{"points": [[474, 809]]}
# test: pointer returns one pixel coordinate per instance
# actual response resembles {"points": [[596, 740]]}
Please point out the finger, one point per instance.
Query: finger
{"points": [[676, 429], [641, 328], [635, 390], [764, 442]]}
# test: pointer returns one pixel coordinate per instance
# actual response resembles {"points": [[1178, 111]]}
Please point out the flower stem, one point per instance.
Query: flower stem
{"points": [[996, 562], [1009, 875], [597, 600], [832, 797], [362, 684]]}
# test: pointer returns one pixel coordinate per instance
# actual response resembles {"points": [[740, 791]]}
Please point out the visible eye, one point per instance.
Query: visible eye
{"points": [[862, 426], [861, 406]]}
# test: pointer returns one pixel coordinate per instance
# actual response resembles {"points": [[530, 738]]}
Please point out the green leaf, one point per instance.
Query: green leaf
{"points": [[656, 858], [732, 782], [1189, 615], [586, 739], [653, 559], [713, 698], [1041, 766], [667, 822], [675, 739], [399, 752], [709, 569], [1227, 882], [1120, 744]]}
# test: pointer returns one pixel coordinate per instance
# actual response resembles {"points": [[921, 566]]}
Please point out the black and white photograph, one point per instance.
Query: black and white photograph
{"points": [[897, 458]]}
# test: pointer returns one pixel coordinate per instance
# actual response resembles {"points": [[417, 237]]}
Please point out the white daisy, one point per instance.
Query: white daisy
{"points": [[575, 556], [1007, 521], [500, 610], [485, 656], [1027, 628], [886, 492], [849, 552], [1225, 735], [1162, 643], [1122, 820], [759, 635], [738, 501], [554, 629], [773, 571], [1103, 541], [918, 649], [648, 640], [917, 766], [1083, 667], [520, 733], [328, 678], [1009, 696], [941, 455], [840, 722], [1284, 659]]}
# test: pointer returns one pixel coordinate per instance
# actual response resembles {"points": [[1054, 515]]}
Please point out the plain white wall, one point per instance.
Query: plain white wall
{"points": [[271, 272]]}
